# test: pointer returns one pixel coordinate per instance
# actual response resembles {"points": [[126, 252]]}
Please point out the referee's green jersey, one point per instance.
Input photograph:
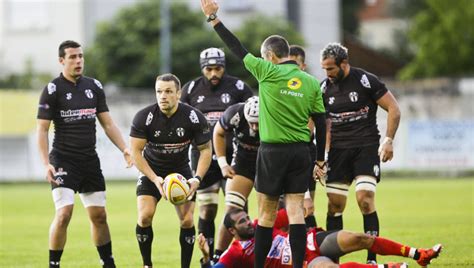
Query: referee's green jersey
{"points": [[288, 97]]}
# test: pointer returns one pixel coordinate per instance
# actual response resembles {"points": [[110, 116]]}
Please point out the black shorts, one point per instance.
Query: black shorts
{"points": [[312, 152], [283, 168], [346, 164], [81, 175], [146, 187], [213, 174], [245, 164]]}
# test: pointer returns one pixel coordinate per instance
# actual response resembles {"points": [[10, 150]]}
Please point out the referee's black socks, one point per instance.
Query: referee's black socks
{"points": [[145, 239], [263, 243], [54, 258], [371, 227], [298, 243], [187, 237], [105, 252]]}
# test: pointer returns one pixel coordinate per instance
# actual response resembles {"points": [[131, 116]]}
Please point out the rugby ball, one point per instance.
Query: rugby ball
{"points": [[176, 188]]}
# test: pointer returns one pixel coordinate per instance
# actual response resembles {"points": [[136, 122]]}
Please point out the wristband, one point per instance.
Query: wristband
{"points": [[194, 179], [387, 140], [222, 161]]}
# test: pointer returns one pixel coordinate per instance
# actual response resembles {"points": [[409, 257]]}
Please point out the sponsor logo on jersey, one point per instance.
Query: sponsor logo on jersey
{"points": [[277, 247], [89, 93], [168, 148], [213, 117], [180, 132], [353, 96], [157, 133], [331, 100], [59, 180], [60, 172], [239, 85], [51, 88], [200, 99], [294, 83], [365, 81], [68, 96], [193, 117], [350, 116], [149, 118], [97, 82], [78, 112], [225, 98]]}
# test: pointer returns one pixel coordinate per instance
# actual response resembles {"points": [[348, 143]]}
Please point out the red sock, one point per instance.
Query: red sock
{"points": [[384, 246], [356, 265]]}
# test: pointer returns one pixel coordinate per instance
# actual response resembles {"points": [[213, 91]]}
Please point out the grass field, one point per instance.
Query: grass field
{"points": [[418, 212]]}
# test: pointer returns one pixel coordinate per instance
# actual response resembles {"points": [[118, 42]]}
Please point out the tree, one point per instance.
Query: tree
{"points": [[126, 49], [444, 37]]}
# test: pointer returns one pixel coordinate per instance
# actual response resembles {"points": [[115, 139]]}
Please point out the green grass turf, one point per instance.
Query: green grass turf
{"points": [[418, 212]]}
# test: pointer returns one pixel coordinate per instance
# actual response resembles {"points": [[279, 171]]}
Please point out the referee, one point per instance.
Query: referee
{"points": [[288, 96]]}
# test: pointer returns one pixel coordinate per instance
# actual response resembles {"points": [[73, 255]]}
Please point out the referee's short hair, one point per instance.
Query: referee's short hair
{"points": [[67, 44], [170, 77], [277, 44], [336, 51]]}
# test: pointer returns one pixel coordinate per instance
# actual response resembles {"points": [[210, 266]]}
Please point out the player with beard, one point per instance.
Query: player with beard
{"points": [[212, 93], [351, 97], [322, 247]]}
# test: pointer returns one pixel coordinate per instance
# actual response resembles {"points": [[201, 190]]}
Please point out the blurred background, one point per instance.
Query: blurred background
{"points": [[422, 49]]}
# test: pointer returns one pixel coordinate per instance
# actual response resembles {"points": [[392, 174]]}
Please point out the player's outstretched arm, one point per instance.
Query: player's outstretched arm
{"points": [[210, 8]]}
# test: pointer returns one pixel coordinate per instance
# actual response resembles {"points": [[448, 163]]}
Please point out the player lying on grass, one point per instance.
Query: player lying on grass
{"points": [[330, 244]]}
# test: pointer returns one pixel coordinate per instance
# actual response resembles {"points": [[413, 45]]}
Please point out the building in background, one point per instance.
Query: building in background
{"points": [[30, 30]]}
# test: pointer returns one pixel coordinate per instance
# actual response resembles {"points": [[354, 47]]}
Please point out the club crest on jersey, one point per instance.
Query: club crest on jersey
{"points": [[294, 83], [193, 117], [51, 88], [331, 100], [180, 132], [89, 93], [225, 98], [68, 96], [354, 96], [200, 99], [365, 81], [149, 118]]}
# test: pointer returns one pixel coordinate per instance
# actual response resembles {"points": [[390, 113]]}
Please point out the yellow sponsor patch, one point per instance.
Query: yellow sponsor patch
{"points": [[294, 83]]}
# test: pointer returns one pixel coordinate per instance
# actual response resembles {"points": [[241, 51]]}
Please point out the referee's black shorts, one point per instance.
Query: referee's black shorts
{"points": [[283, 168]]}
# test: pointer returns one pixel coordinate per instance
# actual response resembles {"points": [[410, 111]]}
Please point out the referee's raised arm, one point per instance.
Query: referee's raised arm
{"points": [[210, 8]]}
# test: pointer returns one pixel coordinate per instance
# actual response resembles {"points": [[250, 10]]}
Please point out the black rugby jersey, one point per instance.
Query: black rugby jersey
{"points": [[351, 105], [245, 139], [73, 109], [168, 139], [213, 100]]}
